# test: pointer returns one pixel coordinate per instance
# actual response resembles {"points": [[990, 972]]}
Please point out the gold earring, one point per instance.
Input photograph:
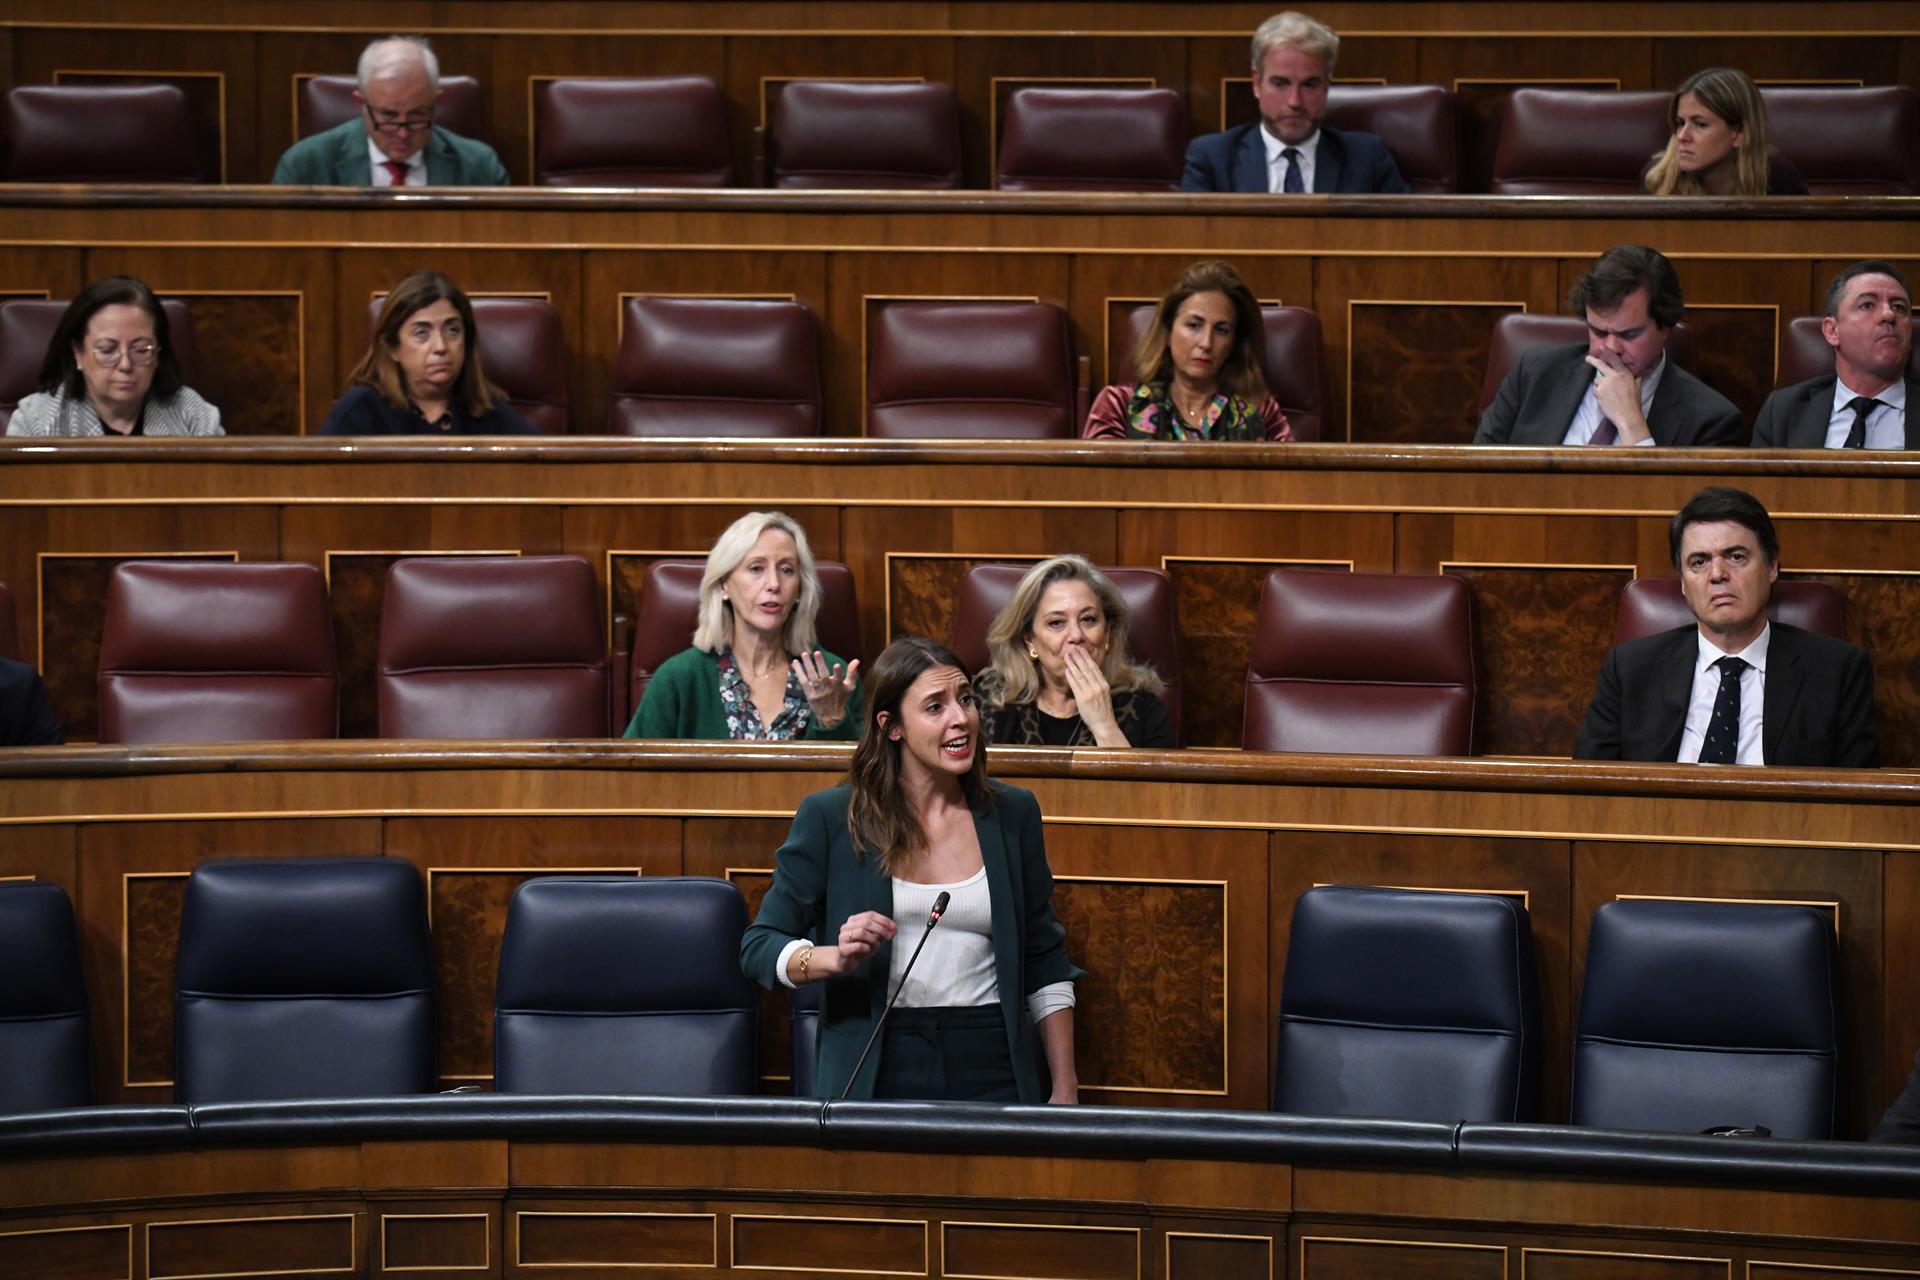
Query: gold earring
{"points": [[1033, 654]]}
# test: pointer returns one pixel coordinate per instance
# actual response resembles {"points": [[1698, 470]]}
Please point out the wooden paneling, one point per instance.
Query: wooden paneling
{"points": [[448, 1240], [98, 1252], [1581, 1264], [261, 1242], [601, 1238], [1011, 1250], [872, 1246], [1358, 1258]]}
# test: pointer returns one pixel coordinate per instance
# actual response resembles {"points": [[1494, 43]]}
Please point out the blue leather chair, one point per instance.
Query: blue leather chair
{"points": [[1701, 1014], [43, 1002], [625, 985], [303, 978], [803, 1026], [1409, 1004]]}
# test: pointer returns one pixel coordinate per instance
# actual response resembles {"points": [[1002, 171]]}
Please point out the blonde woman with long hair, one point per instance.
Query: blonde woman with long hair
{"points": [[1719, 144]]}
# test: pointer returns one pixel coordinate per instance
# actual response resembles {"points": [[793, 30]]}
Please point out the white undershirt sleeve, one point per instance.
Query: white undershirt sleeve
{"points": [[1049, 999], [786, 954]]}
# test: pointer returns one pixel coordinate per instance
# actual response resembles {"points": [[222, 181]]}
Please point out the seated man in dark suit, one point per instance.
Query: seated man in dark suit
{"points": [[26, 712], [1902, 1121], [1863, 404], [1618, 387], [1289, 151], [1735, 688], [394, 141]]}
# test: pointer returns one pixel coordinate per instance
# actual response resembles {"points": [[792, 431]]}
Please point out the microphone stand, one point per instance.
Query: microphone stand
{"points": [[933, 918]]}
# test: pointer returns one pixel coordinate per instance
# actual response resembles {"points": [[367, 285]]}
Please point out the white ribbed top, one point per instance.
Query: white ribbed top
{"points": [[956, 968]]}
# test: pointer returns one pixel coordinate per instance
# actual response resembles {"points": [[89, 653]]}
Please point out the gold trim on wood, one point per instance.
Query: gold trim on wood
{"points": [[1410, 1244], [866, 308], [1167, 1238], [993, 106], [1822, 904], [713, 1220], [486, 1240], [1404, 302], [950, 1274], [733, 1262], [57, 1231], [1527, 1252], [353, 1246], [126, 976], [1823, 1268], [219, 79], [40, 559], [636, 551]]}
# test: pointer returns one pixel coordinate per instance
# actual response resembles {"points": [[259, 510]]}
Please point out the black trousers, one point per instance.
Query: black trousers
{"points": [[946, 1055]]}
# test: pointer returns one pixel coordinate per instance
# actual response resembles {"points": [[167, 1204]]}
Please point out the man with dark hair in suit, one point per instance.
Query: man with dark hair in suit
{"points": [[1618, 387], [1863, 403], [1735, 688], [1289, 151], [27, 718]]}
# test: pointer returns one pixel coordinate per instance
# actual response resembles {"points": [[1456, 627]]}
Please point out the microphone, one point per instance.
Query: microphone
{"points": [[933, 918]]}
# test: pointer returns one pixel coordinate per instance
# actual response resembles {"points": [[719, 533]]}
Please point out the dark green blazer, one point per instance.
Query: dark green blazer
{"points": [[818, 883], [338, 158]]}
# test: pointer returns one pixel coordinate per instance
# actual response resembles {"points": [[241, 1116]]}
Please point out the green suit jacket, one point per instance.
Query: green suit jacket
{"points": [[818, 883], [338, 158]]}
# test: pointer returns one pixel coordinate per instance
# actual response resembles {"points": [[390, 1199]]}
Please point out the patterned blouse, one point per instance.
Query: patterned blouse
{"points": [[1144, 411], [743, 718]]}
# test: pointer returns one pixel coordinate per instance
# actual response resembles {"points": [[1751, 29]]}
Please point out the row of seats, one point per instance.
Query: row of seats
{"points": [[511, 647], [732, 367], [672, 131], [314, 978]]}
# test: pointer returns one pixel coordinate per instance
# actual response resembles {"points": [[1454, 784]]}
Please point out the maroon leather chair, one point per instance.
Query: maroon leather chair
{"points": [[716, 367], [199, 651], [1420, 123], [1578, 142], [971, 370], [99, 133], [326, 101], [648, 131], [525, 355], [9, 626], [1649, 606], [1293, 363], [1154, 635], [1804, 353], [492, 647], [1093, 140], [830, 133], [1364, 663], [1849, 142], [1515, 332], [27, 325], [669, 609]]}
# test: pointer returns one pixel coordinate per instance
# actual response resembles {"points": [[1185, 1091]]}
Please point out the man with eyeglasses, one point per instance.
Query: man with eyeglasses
{"points": [[393, 142]]}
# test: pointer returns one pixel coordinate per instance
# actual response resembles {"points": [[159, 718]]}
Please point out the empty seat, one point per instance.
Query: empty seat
{"points": [[1804, 354], [1292, 362], [1408, 1004], [303, 978], [524, 352], [1847, 141], [1516, 331], [326, 101], [1154, 636], [803, 1036], [831, 133], [646, 131], [9, 622], [492, 647], [206, 651], [43, 1002], [1578, 142], [1369, 663], [1093, 140], [1420, 123], [26, 328], [971, 370], [99, 133], [1701, 1014], [625, 985], [716, 367], [1649, 606]]}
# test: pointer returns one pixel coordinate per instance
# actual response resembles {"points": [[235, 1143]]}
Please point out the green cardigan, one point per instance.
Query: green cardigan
{"points": [[338, 158], [683, 701], [818, 883]]}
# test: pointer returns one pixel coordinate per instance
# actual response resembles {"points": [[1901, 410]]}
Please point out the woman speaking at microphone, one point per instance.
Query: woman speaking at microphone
{"points": [[861, 869]]}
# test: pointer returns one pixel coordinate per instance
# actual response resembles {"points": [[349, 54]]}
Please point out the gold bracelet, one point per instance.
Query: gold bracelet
{"points": [[806, 958]]}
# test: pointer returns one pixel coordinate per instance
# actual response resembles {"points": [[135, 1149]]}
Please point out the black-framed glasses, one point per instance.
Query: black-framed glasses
{"points": [[394, 122]]}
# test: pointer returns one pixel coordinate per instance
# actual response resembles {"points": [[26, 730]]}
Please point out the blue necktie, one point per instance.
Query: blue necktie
{"points": [[1722, 742], [1291, 184]]}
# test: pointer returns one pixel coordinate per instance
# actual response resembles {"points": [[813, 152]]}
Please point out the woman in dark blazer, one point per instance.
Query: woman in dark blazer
{"points": [[917, 816]]}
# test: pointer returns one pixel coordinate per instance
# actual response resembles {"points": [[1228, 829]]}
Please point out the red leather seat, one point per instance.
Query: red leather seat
{"points": [[1293, 363], [525, 355], [1365, 663], [197, 651], [492, 647], [26, 328], [1804, 353], [716, 367], [1849, 142], [648, 131], [9, 626], [1649, 606], [1420, 123], [1093, 140], [971, 370], [830, 133], [326, 101], [1154, 636], [669, 608], [1515, 332], [99, 133], [1578, 142]]}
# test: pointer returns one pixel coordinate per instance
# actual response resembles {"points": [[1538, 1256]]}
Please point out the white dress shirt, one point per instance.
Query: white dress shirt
{"points": [[1277, 161], [382, 177], [1886, 425], [1706, 688], [1588, 416]]}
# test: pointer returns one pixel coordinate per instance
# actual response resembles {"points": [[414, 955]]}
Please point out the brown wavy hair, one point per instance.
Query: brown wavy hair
{"points": [[1013, 679], [1240, 373], [378, 369], [879, 819]]}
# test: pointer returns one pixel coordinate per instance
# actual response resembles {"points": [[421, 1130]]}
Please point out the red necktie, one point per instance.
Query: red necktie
{"points": [[398, 168], [1605, 433]]}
